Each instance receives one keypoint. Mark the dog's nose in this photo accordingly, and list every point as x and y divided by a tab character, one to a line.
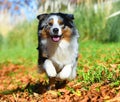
55	30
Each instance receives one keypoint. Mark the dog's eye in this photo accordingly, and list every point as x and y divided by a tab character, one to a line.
61	23
50	23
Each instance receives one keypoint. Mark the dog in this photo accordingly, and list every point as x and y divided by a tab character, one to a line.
57	45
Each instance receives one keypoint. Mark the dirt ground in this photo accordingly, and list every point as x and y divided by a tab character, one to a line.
18	85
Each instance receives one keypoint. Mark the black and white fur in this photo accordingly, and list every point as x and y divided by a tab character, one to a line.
57	56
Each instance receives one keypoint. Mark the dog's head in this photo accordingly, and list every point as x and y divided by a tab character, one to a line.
56	26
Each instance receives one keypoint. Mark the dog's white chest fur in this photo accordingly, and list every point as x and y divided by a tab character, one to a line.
61	62
62	53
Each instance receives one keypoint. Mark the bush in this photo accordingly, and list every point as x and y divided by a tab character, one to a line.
93	25
90	23
113	24
115	29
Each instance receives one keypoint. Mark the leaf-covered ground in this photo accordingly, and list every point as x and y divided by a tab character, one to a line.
98	79
25	87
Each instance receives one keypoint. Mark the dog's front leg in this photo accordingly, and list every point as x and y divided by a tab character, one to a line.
66	72
49	68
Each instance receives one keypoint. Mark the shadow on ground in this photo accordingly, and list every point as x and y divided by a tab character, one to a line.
38	87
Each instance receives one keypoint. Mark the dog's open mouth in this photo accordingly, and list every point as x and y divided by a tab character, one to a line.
56	38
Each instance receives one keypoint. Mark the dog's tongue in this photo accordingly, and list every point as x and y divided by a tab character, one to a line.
56	38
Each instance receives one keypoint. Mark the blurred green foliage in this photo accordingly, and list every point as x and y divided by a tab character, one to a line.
24	35
94	24
115	29
1	40
19	46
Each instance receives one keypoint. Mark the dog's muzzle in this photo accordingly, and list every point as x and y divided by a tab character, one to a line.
56	38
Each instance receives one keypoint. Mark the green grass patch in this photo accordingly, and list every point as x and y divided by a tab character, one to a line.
98	62
19	55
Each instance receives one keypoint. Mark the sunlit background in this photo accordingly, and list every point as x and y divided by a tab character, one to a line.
93	18
96	20
98	23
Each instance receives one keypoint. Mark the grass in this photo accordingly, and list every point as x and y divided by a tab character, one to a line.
93	24
99	62
18	55
20	45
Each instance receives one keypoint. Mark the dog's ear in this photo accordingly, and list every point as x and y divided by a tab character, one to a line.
67	16
70	16
42	16
68	19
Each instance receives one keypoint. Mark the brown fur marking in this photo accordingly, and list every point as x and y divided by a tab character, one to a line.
67	32
51	22
45	33
60	22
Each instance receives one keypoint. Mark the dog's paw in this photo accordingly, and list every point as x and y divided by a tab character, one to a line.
49	68
65	73
51	73
73	74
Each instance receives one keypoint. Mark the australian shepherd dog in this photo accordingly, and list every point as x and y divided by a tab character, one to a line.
57	45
